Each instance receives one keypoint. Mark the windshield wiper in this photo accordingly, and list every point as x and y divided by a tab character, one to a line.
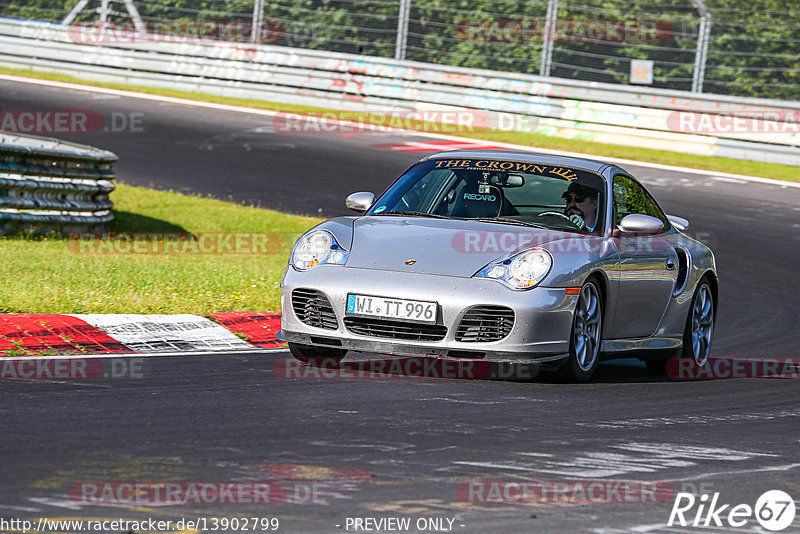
412	214
508	221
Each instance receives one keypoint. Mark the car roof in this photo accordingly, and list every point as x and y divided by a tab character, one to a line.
528	157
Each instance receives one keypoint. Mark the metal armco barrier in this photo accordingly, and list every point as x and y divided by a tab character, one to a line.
614	114
50	185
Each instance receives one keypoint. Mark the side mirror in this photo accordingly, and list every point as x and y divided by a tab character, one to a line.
360	202
637	223
679	222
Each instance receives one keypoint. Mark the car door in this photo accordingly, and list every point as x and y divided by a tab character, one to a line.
646	271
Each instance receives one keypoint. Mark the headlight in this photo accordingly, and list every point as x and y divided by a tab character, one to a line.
316	248
522	271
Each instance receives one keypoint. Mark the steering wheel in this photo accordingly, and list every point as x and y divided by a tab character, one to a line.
575	219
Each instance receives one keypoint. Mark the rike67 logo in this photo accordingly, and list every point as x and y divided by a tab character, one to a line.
774	510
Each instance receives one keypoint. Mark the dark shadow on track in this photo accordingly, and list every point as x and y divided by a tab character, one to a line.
608	372
406	368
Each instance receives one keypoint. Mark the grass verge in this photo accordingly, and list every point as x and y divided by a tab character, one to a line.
709	163
54	275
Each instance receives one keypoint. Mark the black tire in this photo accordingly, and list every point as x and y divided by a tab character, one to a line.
585	336
320	355
699	326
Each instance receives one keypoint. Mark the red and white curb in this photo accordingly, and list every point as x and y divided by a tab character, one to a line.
22	333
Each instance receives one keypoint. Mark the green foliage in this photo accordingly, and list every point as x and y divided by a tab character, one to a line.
754	48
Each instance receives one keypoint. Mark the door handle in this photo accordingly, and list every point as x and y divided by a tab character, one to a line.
670	264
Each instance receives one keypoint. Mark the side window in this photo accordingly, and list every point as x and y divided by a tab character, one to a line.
630	197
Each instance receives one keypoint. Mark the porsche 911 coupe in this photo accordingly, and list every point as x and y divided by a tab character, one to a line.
535	259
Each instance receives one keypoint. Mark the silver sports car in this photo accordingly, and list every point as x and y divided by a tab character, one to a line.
552	261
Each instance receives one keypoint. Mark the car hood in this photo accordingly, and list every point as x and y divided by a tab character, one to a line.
449	247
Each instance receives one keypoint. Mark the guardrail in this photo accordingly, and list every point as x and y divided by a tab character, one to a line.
51	185
607	113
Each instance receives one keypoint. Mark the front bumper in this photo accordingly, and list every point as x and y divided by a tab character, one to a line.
541	331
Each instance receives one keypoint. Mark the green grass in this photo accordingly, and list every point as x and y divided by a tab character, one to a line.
50	275
710	163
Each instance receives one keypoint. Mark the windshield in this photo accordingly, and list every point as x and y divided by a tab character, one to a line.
561	198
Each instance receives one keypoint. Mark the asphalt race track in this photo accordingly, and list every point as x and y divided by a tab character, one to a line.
406	447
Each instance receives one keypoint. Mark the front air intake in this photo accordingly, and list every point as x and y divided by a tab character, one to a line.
313	308
482	324
366	326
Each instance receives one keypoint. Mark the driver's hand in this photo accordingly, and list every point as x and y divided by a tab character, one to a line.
577	220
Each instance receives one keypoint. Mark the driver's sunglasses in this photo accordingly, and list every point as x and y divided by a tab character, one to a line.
577	199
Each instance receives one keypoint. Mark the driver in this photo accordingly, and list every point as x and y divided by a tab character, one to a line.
581	205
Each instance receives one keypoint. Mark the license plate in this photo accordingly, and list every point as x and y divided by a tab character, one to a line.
388	308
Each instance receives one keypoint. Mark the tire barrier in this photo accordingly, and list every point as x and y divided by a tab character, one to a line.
47	185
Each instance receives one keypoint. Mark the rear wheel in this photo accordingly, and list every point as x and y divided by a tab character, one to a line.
699	325
696	334
584	344
319	355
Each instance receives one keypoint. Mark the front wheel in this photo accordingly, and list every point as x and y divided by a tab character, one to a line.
584	344
306	353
